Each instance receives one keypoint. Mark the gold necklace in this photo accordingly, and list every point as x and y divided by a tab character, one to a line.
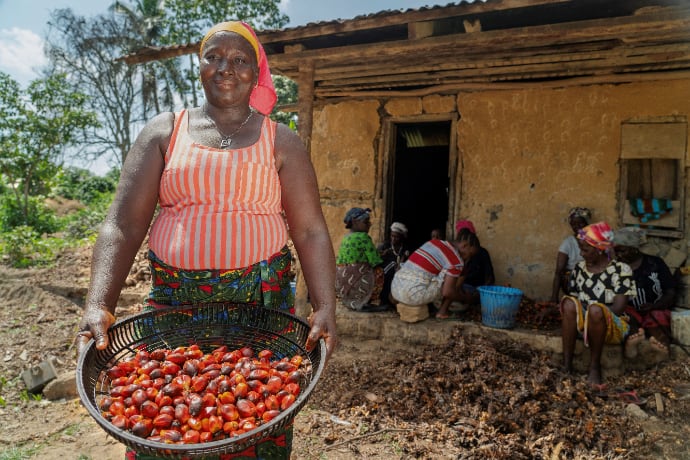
226	139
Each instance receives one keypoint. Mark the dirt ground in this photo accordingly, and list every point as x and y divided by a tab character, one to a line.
475	398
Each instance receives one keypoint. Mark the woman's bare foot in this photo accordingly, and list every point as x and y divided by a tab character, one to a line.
594	377
658	346
630	348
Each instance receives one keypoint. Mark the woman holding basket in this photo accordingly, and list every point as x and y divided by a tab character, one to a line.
222	174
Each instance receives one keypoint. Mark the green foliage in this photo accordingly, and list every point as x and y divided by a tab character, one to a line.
36	126
286	90
33	214
24	247
84	223
81	184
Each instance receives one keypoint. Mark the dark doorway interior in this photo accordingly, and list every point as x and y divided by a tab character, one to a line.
420	179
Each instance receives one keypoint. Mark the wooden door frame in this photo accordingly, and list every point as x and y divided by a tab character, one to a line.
386	165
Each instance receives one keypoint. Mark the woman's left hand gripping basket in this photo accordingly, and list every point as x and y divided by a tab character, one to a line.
200	381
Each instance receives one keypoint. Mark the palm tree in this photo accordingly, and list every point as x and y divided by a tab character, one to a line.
147	18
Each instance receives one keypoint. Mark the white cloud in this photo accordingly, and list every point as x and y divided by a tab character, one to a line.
21	52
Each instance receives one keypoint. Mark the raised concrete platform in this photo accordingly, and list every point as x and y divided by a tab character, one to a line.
388	328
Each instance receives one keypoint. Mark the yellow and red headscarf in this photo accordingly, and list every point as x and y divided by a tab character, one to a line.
263	97
598	235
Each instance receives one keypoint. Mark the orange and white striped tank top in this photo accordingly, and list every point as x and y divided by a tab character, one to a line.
220	209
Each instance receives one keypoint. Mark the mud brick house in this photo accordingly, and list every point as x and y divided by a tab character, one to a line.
506	112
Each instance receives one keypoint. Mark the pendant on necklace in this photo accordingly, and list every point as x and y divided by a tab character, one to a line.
225	142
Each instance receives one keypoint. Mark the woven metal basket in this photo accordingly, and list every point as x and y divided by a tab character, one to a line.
208	326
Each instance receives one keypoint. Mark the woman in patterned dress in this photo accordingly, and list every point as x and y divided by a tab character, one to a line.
600	288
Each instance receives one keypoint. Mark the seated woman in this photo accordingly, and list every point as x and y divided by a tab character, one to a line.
359	268
432	271
600	290
650	309
393	252
569	252
478	271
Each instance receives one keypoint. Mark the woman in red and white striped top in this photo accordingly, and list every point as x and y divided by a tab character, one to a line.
229	182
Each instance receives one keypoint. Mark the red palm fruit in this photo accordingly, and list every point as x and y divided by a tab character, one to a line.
190	437
149	366
104	403
208	400
254	397
151	393
212	387
294	377
246	408
232	356
120	421
247	425
270	415
229	412
260	408
297	360
170	436
287	401
116	372
191	367
182	380
182	413
274	385
205	436
230	427
212	374
292	388
241	390
156	374
199	383
272	402
254	384
206	412
247	352
215	424
193	353
170	368
172	389
120	381
162	421
176	358
149	409
142	428
131	410
158	382
285	366
170	410
139	396
221	349
117	408
265	354
226	398
179	400
194	423
194	402
158	355
258	374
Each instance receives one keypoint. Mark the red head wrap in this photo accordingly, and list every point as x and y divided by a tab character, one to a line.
263	97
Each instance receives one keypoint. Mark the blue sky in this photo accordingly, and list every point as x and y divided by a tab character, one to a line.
23	26
23	23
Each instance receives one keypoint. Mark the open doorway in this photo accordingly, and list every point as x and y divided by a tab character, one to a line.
419	181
